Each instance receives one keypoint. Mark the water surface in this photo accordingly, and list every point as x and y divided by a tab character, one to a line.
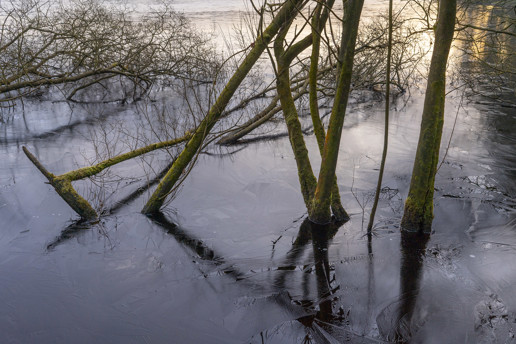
232	260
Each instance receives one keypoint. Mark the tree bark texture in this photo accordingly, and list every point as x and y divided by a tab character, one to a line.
304	168
320	209
65	189
418	213
336	205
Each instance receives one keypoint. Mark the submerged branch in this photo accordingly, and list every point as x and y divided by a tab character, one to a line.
86	172
65	189
63	183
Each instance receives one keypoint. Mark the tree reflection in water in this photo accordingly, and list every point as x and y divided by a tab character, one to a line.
397	322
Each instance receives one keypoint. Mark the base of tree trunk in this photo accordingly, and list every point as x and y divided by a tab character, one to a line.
65	189
417	217
319	212
339	212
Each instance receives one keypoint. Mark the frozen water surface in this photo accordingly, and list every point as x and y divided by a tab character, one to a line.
233	261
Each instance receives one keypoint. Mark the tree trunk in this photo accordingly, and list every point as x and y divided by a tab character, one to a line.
386	126
418	214
336	206
284	58
304	168
286	13
320	209
64	188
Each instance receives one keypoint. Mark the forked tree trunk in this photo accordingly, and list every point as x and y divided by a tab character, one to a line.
286	13
64	188
63	183
284	59
336	205
418	214
304	168
320	209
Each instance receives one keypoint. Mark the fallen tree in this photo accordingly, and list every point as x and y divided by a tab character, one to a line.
63	183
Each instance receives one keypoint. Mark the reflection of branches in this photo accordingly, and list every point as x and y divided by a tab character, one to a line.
320	236
72	231
184	238
77	229
202	251
323	322
365	197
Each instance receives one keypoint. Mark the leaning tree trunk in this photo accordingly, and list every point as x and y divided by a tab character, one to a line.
307	178
286	13
418	214
320	210
63	183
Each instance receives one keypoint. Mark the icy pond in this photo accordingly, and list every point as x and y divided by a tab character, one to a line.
232	259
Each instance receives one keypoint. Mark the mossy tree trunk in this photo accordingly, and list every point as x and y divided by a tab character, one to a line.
64	188
336	205
418	213
320	209
63	183
284	59
304	168
288	11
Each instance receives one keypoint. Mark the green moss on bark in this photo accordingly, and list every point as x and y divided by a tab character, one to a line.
317	22
306	176
418	213
65	189
320	210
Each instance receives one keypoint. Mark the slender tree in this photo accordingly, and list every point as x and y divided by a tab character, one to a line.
418	214
336	205
386	126
284	58
320	209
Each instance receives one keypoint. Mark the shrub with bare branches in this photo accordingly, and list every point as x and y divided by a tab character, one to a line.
84	45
